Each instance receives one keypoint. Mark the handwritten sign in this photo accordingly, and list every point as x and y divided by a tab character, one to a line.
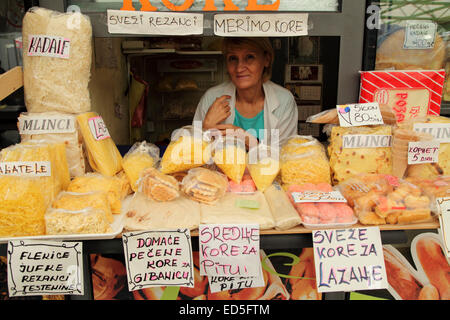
158	258
48	46
98	128
44	268
318	196
349	260
419	34
156	23
229	250
223	283
267	25
440	131
443	205
351	141
423	152
362	114
32	124
26	168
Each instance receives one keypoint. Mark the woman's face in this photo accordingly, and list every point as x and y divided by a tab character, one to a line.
245	66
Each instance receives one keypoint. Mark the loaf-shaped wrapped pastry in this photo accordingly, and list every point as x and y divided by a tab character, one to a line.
158	186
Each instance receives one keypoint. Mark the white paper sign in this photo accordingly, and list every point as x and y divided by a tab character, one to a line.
156	23
50	124
361	114
26	168
223	283
48	46
318	196
423	152
352	141
419	34
266	25
158	258
444	220
349	260
440	131
98	128
45	268
229	250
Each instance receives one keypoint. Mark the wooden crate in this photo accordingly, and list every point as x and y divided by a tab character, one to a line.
10	81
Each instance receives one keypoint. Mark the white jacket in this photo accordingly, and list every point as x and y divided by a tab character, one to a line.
280	108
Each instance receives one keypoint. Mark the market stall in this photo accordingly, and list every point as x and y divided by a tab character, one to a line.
376	165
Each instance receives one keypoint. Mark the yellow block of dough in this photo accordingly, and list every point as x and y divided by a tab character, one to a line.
346	163
134	164
264	172
232	160
103	155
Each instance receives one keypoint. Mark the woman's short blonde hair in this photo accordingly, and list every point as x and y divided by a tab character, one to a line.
260	43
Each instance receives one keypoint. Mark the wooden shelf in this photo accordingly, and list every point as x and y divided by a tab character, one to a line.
141	52
10	81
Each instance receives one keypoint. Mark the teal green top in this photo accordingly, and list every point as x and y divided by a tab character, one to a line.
256	124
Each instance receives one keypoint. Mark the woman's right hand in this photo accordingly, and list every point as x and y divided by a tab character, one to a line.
217	113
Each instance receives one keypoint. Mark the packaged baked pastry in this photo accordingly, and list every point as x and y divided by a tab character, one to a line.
142	155
283	212
74	201
189	148
91	182
66	222
381	198
320	213
158	186
57	59
263	165
56	127
355	150
230	156
103	155
204	185
303	160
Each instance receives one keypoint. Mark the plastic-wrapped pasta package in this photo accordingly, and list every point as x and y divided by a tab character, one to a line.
55	127
39	151
189	148
303	160
230	156
356	150
158	186
381	198
86	221
22	206
141	156
283	212
73	201
57	61
263	165
103	155
204	185
91	182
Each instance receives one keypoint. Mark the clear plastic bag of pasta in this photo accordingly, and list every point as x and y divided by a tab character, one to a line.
57	60
230	156
141	156
189	148
303	160
263	165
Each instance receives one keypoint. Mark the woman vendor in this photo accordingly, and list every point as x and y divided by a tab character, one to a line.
249	102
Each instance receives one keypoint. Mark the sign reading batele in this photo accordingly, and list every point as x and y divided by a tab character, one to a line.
229	5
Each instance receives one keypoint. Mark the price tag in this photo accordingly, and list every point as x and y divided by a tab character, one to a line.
318	196
158	258
419	34
423	152
444	220
229	250
362	114
98	128
38	268
349	260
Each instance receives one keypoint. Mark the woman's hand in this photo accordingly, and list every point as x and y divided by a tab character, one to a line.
231	130
217	113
